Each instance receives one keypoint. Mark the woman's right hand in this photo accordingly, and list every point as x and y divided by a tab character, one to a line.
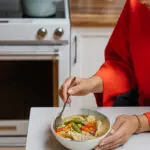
81	87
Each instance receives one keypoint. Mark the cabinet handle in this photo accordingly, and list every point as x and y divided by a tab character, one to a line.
75	42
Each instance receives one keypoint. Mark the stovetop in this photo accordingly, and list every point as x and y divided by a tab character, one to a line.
17	13
26	30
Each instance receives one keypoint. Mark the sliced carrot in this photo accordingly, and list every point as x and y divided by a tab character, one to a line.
91	128
91	124
58	133
84	128
69	125
59	129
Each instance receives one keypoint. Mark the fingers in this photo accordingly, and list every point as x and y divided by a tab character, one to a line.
97	148
117	124
115	136
76	90
62	97
116	139
114	147
63	91
111	147
79	88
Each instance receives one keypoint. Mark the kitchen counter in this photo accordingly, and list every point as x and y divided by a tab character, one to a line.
40	137
95	13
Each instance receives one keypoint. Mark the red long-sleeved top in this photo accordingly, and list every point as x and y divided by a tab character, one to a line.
127	56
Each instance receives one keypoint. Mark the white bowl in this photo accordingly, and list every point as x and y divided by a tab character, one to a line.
80	145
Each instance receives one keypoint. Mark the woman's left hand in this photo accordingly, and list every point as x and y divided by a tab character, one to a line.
122	129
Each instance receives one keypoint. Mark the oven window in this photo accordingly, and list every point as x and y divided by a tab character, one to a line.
26	84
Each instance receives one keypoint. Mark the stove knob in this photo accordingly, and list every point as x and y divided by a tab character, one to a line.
58	33
42	32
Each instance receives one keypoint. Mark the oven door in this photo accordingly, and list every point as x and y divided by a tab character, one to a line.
30	77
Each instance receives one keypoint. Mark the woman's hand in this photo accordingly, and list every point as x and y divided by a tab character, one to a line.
81	87
122	129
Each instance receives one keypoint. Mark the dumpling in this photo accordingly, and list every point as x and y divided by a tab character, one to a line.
91	118
87	136
79	137
99	127
75	136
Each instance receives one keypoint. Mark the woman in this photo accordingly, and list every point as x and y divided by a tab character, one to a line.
123	80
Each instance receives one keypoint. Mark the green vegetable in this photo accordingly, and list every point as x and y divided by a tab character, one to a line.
75	121
78	122
66	122
75	127
79	125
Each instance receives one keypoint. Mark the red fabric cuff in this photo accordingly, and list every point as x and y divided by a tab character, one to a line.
117	79
147	114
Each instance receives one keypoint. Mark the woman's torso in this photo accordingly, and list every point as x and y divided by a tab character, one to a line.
139	45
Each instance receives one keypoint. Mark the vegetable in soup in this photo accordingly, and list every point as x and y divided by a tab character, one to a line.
82	127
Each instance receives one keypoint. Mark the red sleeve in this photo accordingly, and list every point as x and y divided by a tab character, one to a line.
147	114
117	72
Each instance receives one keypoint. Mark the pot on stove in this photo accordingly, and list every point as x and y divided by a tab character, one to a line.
39	8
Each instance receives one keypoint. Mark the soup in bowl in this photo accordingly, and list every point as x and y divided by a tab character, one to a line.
81	129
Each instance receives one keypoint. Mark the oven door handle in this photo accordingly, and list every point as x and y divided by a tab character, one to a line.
30	55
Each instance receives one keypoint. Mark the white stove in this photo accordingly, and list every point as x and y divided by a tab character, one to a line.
23	29
34	61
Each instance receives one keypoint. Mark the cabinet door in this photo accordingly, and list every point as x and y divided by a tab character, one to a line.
90	47
92	57
92	54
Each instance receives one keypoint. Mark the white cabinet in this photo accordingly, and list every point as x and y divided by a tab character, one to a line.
87	53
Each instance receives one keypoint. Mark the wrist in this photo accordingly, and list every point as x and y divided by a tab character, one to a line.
143	124
97	84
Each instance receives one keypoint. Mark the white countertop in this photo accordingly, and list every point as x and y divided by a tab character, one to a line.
40	137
